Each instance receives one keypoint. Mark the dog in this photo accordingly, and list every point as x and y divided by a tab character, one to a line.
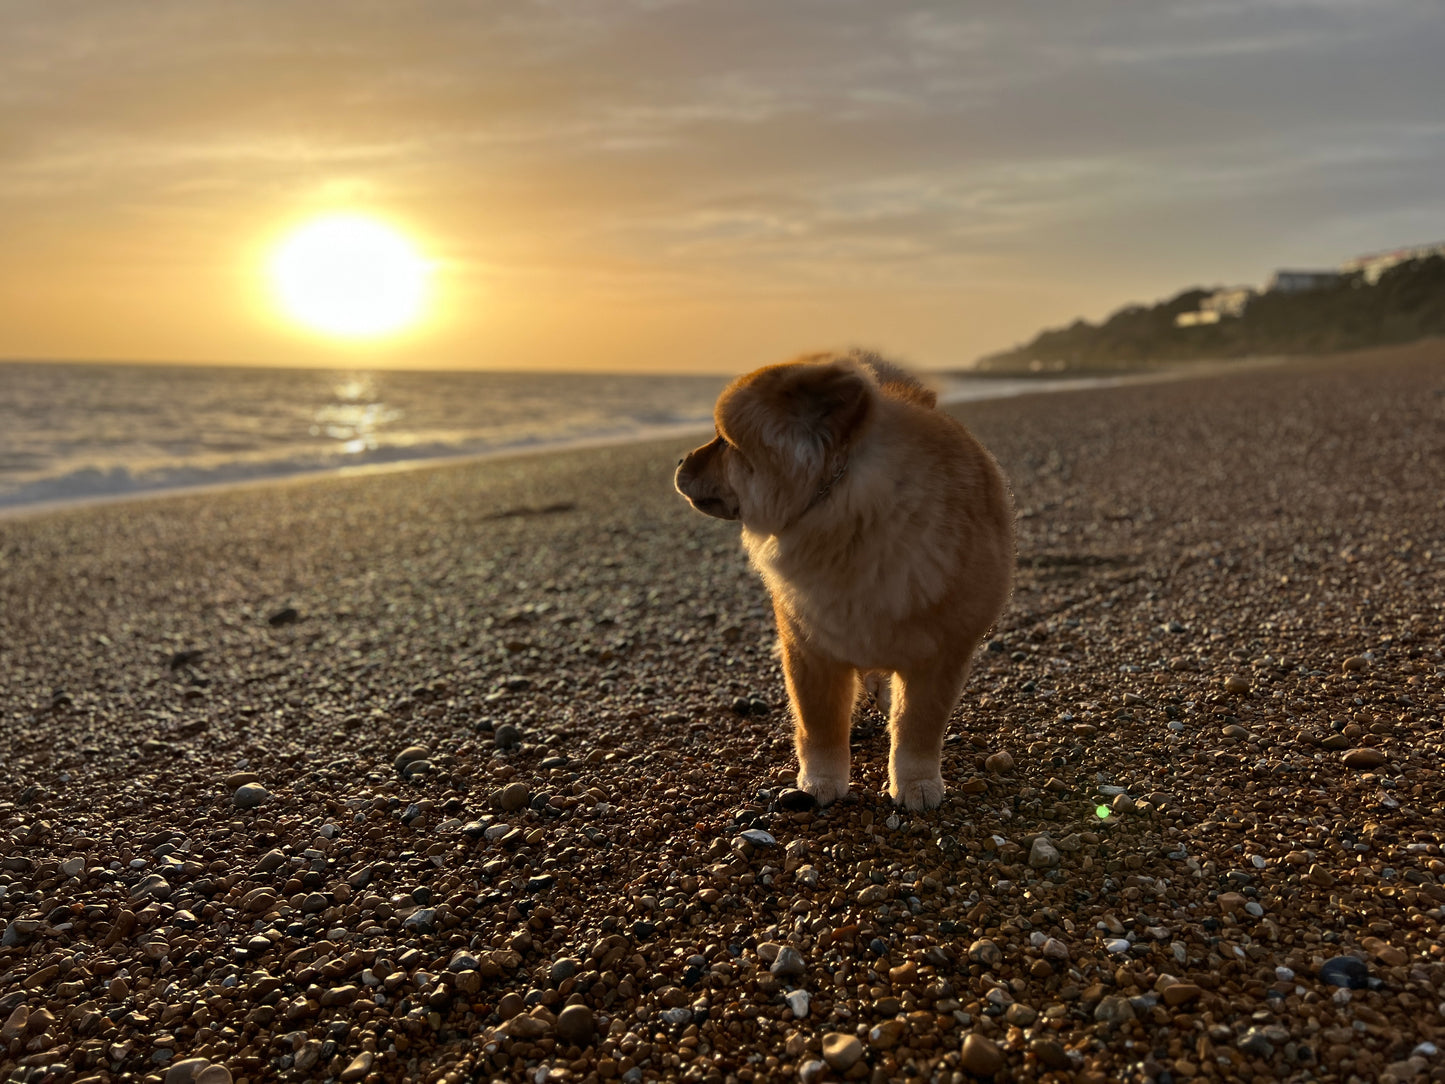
884	532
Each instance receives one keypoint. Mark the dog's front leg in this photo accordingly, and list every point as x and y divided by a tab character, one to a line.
922	702
822	692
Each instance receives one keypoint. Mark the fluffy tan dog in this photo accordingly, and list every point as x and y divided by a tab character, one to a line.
884	532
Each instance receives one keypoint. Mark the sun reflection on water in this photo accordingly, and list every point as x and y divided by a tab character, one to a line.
354	417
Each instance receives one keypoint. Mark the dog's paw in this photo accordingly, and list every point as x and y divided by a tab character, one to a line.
917	794
825	789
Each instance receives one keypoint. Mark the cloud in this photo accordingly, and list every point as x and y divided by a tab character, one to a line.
748	145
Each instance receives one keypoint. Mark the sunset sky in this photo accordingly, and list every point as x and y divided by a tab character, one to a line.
662	184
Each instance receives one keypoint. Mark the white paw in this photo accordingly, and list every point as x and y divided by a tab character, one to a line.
917	794
825	789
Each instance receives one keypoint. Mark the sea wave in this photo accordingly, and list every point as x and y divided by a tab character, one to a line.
96	483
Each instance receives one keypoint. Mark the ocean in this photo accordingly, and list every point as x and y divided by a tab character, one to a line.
74	432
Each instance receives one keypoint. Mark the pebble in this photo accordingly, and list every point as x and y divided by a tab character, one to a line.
1000	763
1051	1053
812	1070
1043	854
513	797
841	1051
1346	971
359	1067
758	838
1117	945
250	795
1114	1010
576	1025
798	1001
986	952
789	963
1236	684
423	918
1363	758
886	1036
73	867
507	737
980	1055
408	755
795	800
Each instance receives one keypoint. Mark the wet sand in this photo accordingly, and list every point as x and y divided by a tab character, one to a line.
1194	782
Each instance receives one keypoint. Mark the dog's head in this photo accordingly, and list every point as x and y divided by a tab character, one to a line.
783	435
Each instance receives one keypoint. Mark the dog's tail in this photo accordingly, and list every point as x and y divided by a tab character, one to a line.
894	381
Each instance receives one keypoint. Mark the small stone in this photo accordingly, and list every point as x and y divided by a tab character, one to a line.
1236	684
980	1056
1114	1010
236	780
811	1071
16	1023
1001	762
984	951
1346	971
1122	803
249	796
409	754
758	838
1256	1042
1231	903
576	1025
1020	1015
841	1051
214	1074
1055	949
1234	730
359	1067
798	1001
513	797
789	963
507	737
1051	1053
1354	664
73	866
1363	758
885	1036
1043	854
1117	945
271	860
1320	876
1181	993
422	919
563	969
795	800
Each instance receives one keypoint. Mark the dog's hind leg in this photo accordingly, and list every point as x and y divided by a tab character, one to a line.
922	701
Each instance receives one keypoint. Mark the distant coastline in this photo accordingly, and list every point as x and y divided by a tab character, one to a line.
1362	306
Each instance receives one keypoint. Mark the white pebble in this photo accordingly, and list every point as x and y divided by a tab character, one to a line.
798	1001
1117	944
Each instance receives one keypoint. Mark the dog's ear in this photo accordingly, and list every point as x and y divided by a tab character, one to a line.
830	400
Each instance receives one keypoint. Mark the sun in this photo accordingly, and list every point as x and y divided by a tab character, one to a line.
350	276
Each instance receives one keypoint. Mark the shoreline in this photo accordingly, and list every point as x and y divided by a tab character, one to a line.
1017	385
479	772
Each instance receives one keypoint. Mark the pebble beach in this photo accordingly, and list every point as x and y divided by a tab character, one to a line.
483	772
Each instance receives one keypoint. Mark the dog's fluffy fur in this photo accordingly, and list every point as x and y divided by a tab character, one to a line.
884	532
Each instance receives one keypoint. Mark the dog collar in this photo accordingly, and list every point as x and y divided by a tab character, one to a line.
827	488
